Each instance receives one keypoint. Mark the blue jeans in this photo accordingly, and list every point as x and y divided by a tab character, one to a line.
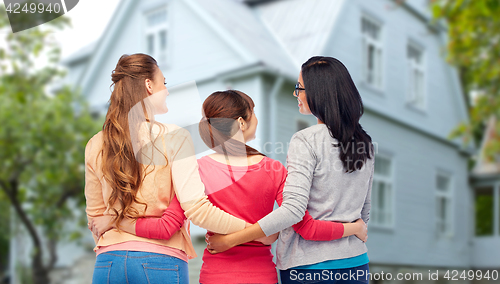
139	267
355	275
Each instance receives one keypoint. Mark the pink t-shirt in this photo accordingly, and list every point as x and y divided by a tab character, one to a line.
249	193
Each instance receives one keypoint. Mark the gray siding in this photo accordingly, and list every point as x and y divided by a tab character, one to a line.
444	106
417	159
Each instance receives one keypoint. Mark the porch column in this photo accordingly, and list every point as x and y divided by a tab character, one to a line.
273	113
496	208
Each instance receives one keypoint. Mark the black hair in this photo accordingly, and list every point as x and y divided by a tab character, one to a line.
334	99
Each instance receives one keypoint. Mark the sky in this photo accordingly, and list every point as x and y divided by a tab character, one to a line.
89	20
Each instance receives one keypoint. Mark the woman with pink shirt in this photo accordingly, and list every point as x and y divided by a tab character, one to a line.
136	167
330	173
244	183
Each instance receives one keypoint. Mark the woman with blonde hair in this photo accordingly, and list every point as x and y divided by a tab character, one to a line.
136	167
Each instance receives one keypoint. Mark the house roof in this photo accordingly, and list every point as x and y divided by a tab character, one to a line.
270	34
255	2
486	166
235	21
104	43
81	54
285	20
243	25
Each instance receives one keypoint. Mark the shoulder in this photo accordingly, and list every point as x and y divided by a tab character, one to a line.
159	128
314	131
204	162
255	159
274	168
173	131
96	137
307	132
171	135
371	162
93	149
303	138
316	138
162	133
94	142
268	161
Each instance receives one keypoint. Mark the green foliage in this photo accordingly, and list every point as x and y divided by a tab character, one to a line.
43	140
43	133
474	47
484	214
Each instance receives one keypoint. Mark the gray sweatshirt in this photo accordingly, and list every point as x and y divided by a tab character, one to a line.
317	182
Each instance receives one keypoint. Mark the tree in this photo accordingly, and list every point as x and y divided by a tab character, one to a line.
43	134
474	48
4	237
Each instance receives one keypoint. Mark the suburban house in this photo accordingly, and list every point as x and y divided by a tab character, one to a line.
423	215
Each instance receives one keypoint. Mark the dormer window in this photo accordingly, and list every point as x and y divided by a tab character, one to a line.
416	84
372	52
156	31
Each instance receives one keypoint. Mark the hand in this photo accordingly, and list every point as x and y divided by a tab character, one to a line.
362	232
217	243
100	225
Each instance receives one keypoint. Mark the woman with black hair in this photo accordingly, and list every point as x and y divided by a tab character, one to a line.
330	172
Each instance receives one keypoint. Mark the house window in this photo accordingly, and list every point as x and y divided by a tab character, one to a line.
484	211
443	205
382	212
372	52
416	84
302	124
156	32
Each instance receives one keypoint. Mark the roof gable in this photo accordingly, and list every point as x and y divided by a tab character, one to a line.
483	165
242	25
302	27
105	42
235	22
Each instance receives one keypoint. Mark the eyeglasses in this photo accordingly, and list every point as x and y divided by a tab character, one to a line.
298	89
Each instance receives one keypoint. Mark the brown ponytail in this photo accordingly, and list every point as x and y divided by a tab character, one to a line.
222	109
121	169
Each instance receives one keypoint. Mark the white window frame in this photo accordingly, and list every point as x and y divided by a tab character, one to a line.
367	41
159	53
417	96
449	228
389	197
